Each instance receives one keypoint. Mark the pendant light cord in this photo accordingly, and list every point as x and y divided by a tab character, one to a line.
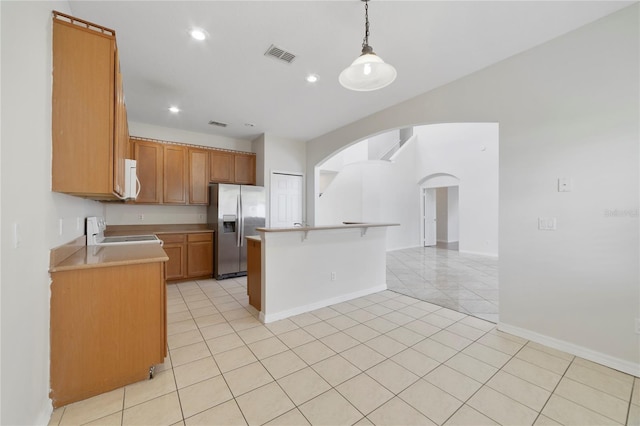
365	40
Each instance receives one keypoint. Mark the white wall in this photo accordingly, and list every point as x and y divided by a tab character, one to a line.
380	144
442	215
468	151
389	191
280	155
377	191
453	219
569	107
151	131
27	201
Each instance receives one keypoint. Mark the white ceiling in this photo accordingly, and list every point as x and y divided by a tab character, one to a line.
227	78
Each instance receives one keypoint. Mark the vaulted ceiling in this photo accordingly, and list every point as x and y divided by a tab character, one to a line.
227	78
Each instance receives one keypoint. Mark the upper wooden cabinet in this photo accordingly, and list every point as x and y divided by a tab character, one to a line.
232	167
149	165
170	173
88	114
221	164
175	174
245	169
198	176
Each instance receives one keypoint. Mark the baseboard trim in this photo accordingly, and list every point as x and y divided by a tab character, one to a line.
320	304
586	353
479	253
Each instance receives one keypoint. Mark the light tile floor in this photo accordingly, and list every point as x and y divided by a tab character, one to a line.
463	282
383	359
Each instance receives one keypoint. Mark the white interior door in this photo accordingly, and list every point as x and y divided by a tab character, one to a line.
430	228
286	200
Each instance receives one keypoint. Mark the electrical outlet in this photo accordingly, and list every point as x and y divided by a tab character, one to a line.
637	325
200	217
140	216
333	276
60	226
547	224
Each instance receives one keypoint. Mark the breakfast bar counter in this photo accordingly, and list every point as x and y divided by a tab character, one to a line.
310	267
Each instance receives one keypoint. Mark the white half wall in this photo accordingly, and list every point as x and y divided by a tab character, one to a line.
567	108
306	272
27	201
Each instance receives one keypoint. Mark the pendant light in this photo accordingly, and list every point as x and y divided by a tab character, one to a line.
368	72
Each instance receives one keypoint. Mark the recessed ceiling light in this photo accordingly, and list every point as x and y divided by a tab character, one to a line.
174	109
312	78
249	124
198	34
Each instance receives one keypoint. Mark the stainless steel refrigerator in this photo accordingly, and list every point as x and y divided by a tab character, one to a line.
235	211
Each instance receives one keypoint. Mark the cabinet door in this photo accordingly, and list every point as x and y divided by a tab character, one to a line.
174	267
221	167
198	176
200	255
254	261
83	110
175	174
148	156
245	169
121	135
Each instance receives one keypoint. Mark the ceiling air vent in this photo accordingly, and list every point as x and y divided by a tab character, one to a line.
217	123
280	54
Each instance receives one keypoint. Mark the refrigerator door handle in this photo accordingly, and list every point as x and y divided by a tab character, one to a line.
241	221
238	221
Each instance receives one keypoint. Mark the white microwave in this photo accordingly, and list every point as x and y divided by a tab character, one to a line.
131	182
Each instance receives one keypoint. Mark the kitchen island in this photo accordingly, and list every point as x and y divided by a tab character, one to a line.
307	268
108	317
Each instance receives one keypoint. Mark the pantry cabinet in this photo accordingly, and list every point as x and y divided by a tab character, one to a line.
89	130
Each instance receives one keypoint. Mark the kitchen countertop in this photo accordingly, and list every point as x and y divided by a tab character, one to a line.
254	237
345	225
113	255
119	230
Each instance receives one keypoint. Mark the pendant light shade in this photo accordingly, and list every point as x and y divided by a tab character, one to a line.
368	72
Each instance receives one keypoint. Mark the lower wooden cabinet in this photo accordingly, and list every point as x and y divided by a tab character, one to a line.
108	327
175	247
254	272
199	255
190	255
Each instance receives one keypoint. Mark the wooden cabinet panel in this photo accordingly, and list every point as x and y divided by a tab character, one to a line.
83	110
149	158
198	176
221	165
254	273
175	174
175	247
245	169
107	328
190	255
121	136
200	255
